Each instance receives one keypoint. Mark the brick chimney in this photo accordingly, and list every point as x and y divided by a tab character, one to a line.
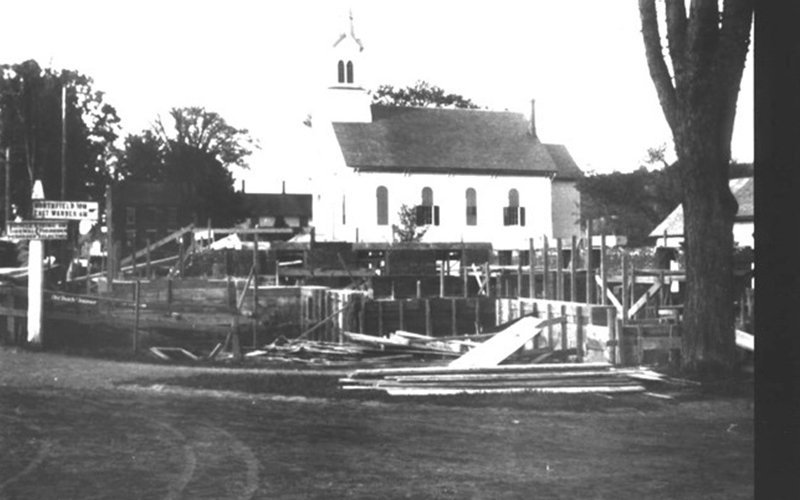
532	124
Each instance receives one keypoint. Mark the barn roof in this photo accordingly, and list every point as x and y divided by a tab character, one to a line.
451	140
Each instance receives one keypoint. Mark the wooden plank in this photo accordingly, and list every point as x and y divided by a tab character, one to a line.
517	368
643	299
444	391
573	267
504	343
609	294
163	241
745	340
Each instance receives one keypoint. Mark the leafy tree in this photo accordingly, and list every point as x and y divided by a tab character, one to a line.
421	94
698	92
629	204
199	148
408	231
31	127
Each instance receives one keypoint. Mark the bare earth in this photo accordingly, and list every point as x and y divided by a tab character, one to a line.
80	428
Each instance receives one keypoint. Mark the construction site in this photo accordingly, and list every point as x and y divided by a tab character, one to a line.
560	315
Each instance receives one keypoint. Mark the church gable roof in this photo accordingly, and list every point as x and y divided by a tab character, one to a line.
452	140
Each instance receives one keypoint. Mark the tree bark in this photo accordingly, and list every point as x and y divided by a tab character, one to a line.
707	50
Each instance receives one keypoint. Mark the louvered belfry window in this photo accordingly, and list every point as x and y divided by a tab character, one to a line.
513	214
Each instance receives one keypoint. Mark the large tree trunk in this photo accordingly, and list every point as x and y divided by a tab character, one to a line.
698	95
708	340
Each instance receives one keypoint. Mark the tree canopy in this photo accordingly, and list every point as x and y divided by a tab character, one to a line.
629	204
421	94
200	148
31	128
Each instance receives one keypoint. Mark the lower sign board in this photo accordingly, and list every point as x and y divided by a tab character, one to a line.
37	230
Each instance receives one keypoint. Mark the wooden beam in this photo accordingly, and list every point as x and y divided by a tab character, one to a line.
163	241
643	299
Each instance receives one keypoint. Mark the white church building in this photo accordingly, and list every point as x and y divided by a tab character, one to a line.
470	175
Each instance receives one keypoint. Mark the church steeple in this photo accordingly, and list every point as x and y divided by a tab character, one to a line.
348	101
347	49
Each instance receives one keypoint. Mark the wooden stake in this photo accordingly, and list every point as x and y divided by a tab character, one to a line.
573	267
603	270
531	270
625	294
546	266
428	326
559	271
136	294
589	278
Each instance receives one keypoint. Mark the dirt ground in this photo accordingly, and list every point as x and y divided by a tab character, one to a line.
83	428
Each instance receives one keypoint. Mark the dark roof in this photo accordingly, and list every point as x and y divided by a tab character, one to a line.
142	193
450	140
291	205
742	189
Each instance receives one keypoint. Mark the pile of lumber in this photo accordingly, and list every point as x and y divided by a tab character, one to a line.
479	371
447	380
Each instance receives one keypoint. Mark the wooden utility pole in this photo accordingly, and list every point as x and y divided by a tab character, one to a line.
8	184
111	260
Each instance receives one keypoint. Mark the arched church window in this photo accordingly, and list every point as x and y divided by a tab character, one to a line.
341	71
349	71
472	207
382	195
427	213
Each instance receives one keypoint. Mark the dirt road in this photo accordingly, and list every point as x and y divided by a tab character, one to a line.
74	428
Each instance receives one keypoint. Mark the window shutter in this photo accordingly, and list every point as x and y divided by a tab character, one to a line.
436	215
521	216
420	215
506	216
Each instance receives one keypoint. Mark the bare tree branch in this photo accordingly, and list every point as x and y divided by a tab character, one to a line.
676	37
655	62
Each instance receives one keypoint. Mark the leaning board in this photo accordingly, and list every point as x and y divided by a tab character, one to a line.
504	343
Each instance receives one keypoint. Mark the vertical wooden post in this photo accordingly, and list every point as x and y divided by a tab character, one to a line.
180	256
573	267
419	289
477	315
88	274
428	326
580	332
613	334
564	329
393	294
465	271
110	253
546	268
441	280
169	294
148	269
361	314
589	275
136	305
255	290
486	276
559	271
454	317
625	293
36	255
550	339
7	200
531	269
400	304
380	317
603	269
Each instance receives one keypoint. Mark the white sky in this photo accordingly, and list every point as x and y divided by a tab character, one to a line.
261	64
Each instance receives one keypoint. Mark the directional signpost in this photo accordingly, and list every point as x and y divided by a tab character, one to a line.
50	222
